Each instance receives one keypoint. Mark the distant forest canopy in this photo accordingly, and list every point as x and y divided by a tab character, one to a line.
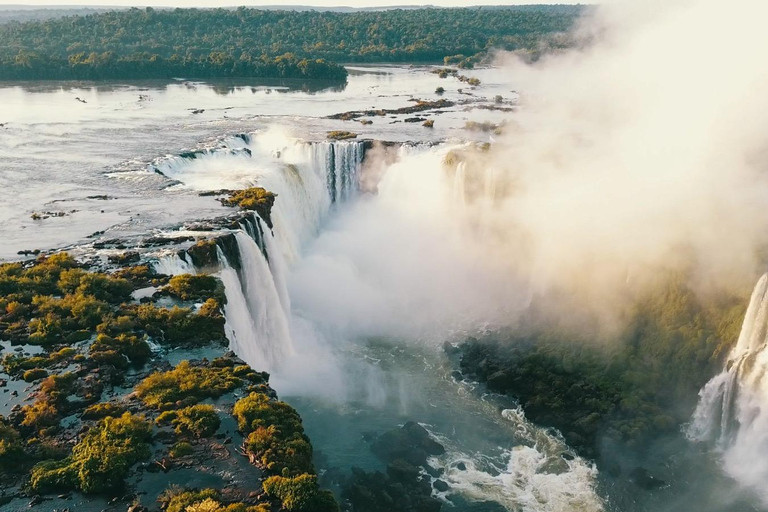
108	65
208	41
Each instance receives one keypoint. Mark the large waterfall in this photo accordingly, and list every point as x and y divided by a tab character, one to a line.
308	177
733	408
257	325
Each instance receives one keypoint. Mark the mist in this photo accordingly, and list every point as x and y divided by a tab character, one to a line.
642	153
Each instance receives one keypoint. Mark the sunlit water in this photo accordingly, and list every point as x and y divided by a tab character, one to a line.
57	153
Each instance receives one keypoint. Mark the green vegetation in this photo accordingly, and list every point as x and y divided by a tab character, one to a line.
11	447
255	198
120	350
181	449
300	494
186	384
193	287
149	43
276	441
109	65
181	325
642	383
177	499
100	461
341	135
34	374
102	410
195	420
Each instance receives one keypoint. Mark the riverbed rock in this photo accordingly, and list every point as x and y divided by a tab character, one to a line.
440	485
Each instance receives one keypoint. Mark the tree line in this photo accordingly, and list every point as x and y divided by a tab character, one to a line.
243	42
108	65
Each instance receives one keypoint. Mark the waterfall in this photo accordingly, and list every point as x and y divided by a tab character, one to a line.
173	265
257	322
733	406
342	161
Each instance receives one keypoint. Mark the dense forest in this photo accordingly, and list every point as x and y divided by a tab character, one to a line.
629	389
243	42
31	66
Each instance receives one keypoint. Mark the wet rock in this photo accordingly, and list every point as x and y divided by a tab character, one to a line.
461	466
440	486
401	470
411	443
36	500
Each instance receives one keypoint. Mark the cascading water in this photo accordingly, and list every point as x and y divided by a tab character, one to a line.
257	323
341	161
173	264
733	406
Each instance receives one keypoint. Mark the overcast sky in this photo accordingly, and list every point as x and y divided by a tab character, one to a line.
320	3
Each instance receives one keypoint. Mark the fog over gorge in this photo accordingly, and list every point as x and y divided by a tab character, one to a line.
643	152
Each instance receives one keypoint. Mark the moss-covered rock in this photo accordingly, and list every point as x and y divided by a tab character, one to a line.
257	199
100	461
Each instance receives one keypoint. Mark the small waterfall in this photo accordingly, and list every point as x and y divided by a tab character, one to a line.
174	264
733	406
257	322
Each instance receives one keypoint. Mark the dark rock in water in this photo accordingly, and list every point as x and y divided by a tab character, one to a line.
440	486
457	376
402	471
433	472
461	466
644	480
567	456
411	443
414	119
124	258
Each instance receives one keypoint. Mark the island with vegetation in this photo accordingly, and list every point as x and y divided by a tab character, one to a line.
254	43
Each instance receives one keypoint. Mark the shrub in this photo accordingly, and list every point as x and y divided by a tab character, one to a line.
341	135
251	198
102	410
100	461
135	349
197	420
186	383
40	414
11	450
14	364
181	449
276	436
429	123
34	374
300	494
440	90
190	287
181	325
177	499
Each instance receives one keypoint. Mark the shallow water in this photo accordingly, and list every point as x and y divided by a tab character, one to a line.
58	153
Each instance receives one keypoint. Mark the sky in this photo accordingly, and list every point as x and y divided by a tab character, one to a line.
318	3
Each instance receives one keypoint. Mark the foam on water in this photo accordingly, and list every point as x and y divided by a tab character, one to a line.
532	476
